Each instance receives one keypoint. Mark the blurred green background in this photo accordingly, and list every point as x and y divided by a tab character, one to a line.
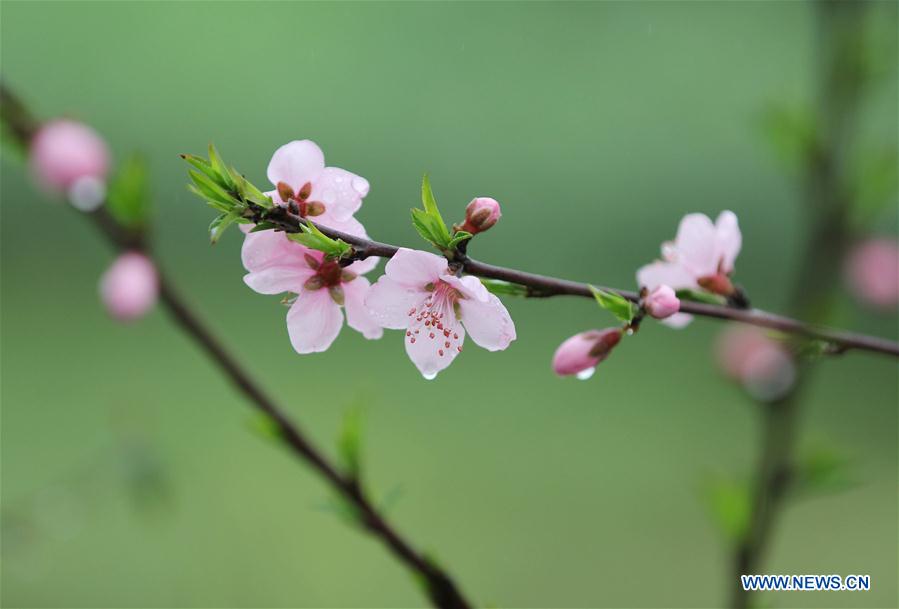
130	476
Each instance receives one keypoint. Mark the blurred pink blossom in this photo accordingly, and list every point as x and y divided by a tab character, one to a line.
762	365
276	265
579	355
129	288
872	272
64	151
327	195
662	302
420	295
701	257
481	214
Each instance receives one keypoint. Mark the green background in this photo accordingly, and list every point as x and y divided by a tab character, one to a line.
130	475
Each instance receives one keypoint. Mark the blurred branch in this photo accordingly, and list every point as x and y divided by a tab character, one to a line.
543	286
442	590
827	198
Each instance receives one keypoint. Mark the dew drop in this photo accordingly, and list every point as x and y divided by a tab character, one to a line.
429	376
583	375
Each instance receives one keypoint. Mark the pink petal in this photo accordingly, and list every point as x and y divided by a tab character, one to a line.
659	273
130	287
357	315
428	348
360	267
696	245
341	192
296	163
414	268
729	239
350	226
390	302
313	321
63	151
488	323
678	320
278	279
268	247
469	286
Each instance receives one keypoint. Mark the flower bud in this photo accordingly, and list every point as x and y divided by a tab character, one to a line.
580	354
129	287
64	152
662	302
762	365
872	272
481	214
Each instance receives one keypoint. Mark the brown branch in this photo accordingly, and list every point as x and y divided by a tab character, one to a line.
442	590
541	285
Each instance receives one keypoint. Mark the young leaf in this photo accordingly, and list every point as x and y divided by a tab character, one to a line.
210	189
729	504
224	176
313	238
128	199
220	223
504	288
429	222
349	443
697	296
614	303
458	238
821	470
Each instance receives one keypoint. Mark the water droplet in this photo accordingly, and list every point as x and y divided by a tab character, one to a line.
430	376
87	193
583	375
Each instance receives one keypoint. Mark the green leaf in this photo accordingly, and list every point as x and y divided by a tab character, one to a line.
201	164
349	443
822	470
224	176
263	226
459	237
312	237
730	505
210	190
264	426
697	296
504	288
614	303
428	222
129	200
791	131
220	223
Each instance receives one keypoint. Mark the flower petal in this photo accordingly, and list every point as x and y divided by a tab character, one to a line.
360	267
296	163
729	239
671	274
340	190
696	245
488	323
313	321
350	226
389	302
677	321
469	286
414	268
278	279
357	315
268	247
427	346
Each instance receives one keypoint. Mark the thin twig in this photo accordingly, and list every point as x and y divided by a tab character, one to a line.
441	589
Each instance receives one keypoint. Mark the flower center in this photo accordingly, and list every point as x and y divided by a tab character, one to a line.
305	207
435	320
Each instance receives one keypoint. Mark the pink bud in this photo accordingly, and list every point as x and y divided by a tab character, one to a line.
662	302
481	214
129	287
580	354
64	152
762	365
872	272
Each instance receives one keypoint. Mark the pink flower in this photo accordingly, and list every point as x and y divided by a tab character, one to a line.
872	272
129	287
419	294
762	365
70	157
276	265
328	195
662	302
481	214
701	257
580	354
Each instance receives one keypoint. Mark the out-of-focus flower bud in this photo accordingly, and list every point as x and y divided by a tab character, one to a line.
580	354
70	157
129	287
872	272
481	214
762	365
662	302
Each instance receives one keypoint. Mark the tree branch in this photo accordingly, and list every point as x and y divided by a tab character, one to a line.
543	286
441	589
